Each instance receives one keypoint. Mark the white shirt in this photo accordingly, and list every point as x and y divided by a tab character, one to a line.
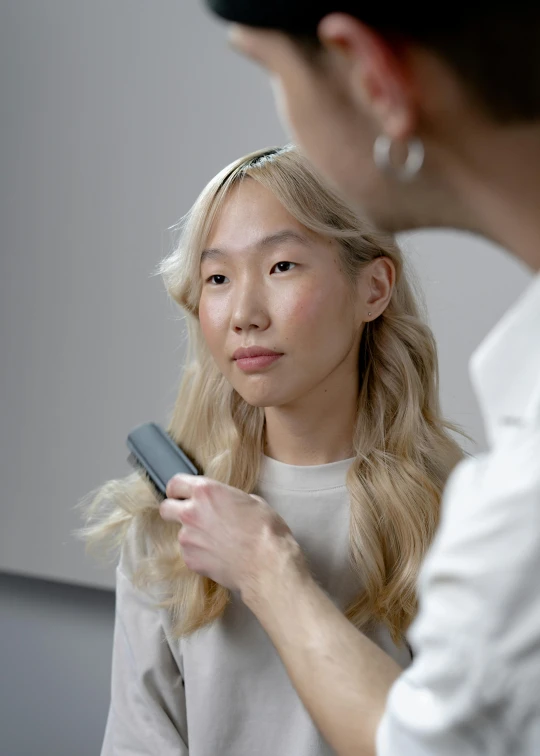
474	686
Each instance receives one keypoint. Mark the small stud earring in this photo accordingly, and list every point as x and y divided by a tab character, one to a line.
369	314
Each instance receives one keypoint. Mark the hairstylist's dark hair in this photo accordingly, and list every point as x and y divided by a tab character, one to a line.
494	50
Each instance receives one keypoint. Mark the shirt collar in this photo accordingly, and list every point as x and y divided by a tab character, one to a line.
505	369
304	477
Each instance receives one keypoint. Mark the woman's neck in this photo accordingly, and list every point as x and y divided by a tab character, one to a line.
316	429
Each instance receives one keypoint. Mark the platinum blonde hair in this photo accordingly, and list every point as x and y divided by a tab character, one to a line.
403	449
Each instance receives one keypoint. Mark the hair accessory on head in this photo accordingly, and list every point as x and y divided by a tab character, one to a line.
413	162
266	155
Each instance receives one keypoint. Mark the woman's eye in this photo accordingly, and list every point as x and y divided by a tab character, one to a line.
217	279
283	267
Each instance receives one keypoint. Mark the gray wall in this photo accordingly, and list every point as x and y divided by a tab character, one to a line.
55	655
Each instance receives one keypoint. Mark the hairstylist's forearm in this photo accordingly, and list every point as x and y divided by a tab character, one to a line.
342	677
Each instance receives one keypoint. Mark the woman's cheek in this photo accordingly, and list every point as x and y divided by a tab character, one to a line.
213	319
305	308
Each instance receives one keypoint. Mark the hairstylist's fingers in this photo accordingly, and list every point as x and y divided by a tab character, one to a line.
181	486
178	510
191	538
196	560
169	510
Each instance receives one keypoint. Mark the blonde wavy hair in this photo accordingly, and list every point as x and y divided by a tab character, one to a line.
403	449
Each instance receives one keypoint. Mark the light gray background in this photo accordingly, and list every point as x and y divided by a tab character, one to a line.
115	113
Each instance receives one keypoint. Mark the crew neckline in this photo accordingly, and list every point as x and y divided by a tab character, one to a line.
304	477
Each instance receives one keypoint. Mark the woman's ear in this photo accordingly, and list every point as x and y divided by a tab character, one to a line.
375	287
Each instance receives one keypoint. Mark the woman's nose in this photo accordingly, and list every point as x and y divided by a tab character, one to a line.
250	311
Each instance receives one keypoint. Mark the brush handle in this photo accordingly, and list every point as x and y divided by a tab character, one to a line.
155	452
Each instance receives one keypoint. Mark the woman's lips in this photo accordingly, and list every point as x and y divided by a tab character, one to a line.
252	359
252	364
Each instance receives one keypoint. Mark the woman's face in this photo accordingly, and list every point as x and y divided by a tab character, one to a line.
280	319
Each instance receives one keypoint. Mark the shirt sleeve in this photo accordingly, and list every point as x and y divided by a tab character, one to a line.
470	689
147	714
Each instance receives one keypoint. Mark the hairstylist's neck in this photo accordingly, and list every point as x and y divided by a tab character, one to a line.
316	429
497	180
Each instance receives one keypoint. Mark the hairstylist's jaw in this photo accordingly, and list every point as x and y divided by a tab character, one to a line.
338	101
280	318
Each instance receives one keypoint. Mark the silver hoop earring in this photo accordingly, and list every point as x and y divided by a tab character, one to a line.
413	162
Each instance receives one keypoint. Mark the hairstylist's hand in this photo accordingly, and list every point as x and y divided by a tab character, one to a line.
228	535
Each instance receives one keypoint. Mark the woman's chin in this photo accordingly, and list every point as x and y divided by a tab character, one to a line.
263	398
259	401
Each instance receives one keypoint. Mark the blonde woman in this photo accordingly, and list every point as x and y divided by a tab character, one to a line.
312	382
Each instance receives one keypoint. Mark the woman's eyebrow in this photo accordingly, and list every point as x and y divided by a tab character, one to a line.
287	235
272	240
212	254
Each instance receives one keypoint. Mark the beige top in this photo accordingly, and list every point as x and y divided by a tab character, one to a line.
224	691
